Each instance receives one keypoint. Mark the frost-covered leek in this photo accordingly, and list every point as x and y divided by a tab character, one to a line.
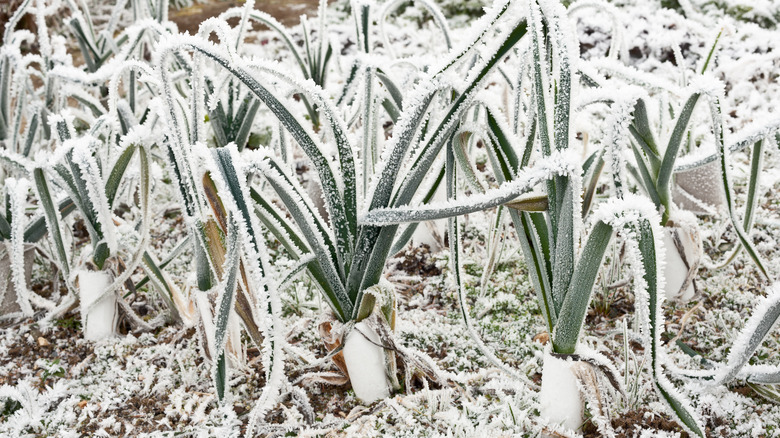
348	257
563	252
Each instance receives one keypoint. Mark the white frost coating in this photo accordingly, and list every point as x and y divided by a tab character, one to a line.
619	213
559	163
98	309
365	360
17	189
741	349
82	156
431	7
274	338
747	136
481	27
560	400
617	44
633	75
318	236
207	319
617	136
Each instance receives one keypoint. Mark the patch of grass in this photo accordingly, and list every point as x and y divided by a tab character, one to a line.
9	408
70	323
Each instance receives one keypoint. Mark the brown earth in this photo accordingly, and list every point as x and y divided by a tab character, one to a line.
288	12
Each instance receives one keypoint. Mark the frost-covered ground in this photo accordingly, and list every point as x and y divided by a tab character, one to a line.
157	384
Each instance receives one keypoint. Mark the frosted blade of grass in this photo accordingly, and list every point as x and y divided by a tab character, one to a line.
524	181
575	303
369	121
392	89
646	176
340	208
381	193
432	8
712	51
278	225
155	275
175	252
447	125
89	180
38	228
765	314
493	240
533	236
460	144
485	25
246	125
564	252
302	264
289	238
592	171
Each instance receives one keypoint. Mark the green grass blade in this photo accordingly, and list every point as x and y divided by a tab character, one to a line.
246	125
315	234
158	267
37	228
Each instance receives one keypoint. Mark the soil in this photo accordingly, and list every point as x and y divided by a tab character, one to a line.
288	12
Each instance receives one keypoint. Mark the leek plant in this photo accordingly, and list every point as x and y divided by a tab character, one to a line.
563	255
344	258
315	58
87	171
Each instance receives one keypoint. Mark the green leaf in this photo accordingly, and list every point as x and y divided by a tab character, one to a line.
115	177
643	134
428	153
592	171
52	222
575	304
647	249
724	167
646	178
533	238
226	303
664	181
